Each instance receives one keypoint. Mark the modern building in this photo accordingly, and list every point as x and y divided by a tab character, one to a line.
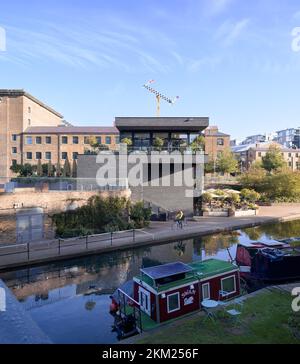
289	138
31	131
252	139
177	133
216	142
248	154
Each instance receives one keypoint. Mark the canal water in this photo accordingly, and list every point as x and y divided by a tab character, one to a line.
70	301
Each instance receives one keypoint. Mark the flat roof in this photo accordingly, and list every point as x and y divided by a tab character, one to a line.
16	93
166	270
195	124
71	130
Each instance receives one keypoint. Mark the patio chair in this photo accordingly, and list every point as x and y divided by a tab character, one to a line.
234	315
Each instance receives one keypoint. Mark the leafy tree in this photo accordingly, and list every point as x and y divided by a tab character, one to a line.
25	170
254	178
39	169
198	143
250	195
282	186
158	143
67	168
127	141
226	162
49	169
273	160
97	147
209	167
140	215
58	170
74	169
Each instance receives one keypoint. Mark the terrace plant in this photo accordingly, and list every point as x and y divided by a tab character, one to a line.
158	143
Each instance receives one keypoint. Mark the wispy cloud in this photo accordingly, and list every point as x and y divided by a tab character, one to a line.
218	6
229	32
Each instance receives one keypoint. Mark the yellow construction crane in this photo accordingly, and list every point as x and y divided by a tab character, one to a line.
159	96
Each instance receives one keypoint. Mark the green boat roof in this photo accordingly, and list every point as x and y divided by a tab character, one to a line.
201	270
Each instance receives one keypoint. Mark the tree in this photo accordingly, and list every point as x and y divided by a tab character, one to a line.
39	169
67	168
209	167
227	163
198	143
250	195
127	141
254	178
25	170
158	143
58	170
273	160
96	146
49	169
74	169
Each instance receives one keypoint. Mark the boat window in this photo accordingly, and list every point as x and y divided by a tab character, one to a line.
206	291
173	302
228	284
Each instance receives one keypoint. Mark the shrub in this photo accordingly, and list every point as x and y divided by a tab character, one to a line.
250	195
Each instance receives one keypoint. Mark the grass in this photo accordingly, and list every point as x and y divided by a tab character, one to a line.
267	318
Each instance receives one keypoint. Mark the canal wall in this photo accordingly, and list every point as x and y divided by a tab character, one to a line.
16	325
157	233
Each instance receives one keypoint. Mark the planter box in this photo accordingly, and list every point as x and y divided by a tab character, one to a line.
245	213
238	213
216	213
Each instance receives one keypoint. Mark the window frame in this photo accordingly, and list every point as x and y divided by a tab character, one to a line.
29	159
205	285
49	138
168	306
36	138
48	159
234	280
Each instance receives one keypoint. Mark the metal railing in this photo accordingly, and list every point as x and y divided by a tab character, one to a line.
39	250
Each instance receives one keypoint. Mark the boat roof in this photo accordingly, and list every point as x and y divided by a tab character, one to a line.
262	243
195	272
166	270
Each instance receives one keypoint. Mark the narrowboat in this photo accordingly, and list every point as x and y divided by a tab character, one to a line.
271	261
165	292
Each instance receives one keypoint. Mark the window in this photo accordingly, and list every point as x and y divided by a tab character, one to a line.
228	284
14	137
14	162
48	140
290	155
173	302
64	155
14	150
108	140
38	140
29	110
29	140
38	155
220	141
29	155
75	155
75	140
87	140
48	156
117	140
259	154
206	291
99	140
29	122
64	140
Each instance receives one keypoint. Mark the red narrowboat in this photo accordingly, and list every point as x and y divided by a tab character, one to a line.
168	291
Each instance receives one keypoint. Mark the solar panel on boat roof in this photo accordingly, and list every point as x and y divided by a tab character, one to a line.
166	270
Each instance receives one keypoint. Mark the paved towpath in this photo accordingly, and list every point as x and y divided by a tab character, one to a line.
157	233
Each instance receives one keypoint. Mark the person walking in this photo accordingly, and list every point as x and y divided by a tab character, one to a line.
179	219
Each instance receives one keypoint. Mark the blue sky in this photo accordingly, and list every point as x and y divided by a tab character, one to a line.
230	60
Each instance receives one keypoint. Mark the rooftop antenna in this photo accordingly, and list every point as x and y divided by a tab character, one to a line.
159	96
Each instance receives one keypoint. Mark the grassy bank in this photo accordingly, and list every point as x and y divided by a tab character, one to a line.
267	318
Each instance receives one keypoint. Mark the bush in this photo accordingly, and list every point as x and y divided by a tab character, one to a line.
140	215
207	198
250	195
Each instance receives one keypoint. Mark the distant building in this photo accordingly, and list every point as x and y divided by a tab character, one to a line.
216	142
258	138
289	138
31	131
248	154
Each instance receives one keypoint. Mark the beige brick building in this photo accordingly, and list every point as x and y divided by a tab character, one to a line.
215	142
31	130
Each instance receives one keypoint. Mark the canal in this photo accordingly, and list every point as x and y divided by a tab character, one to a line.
70	300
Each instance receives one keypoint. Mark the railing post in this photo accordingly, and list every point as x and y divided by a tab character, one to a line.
133	235
59	246
86	242
28	252
111	238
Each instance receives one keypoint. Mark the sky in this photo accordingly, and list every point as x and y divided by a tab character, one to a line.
230	60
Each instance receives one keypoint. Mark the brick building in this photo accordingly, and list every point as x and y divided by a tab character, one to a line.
215	142
30	130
